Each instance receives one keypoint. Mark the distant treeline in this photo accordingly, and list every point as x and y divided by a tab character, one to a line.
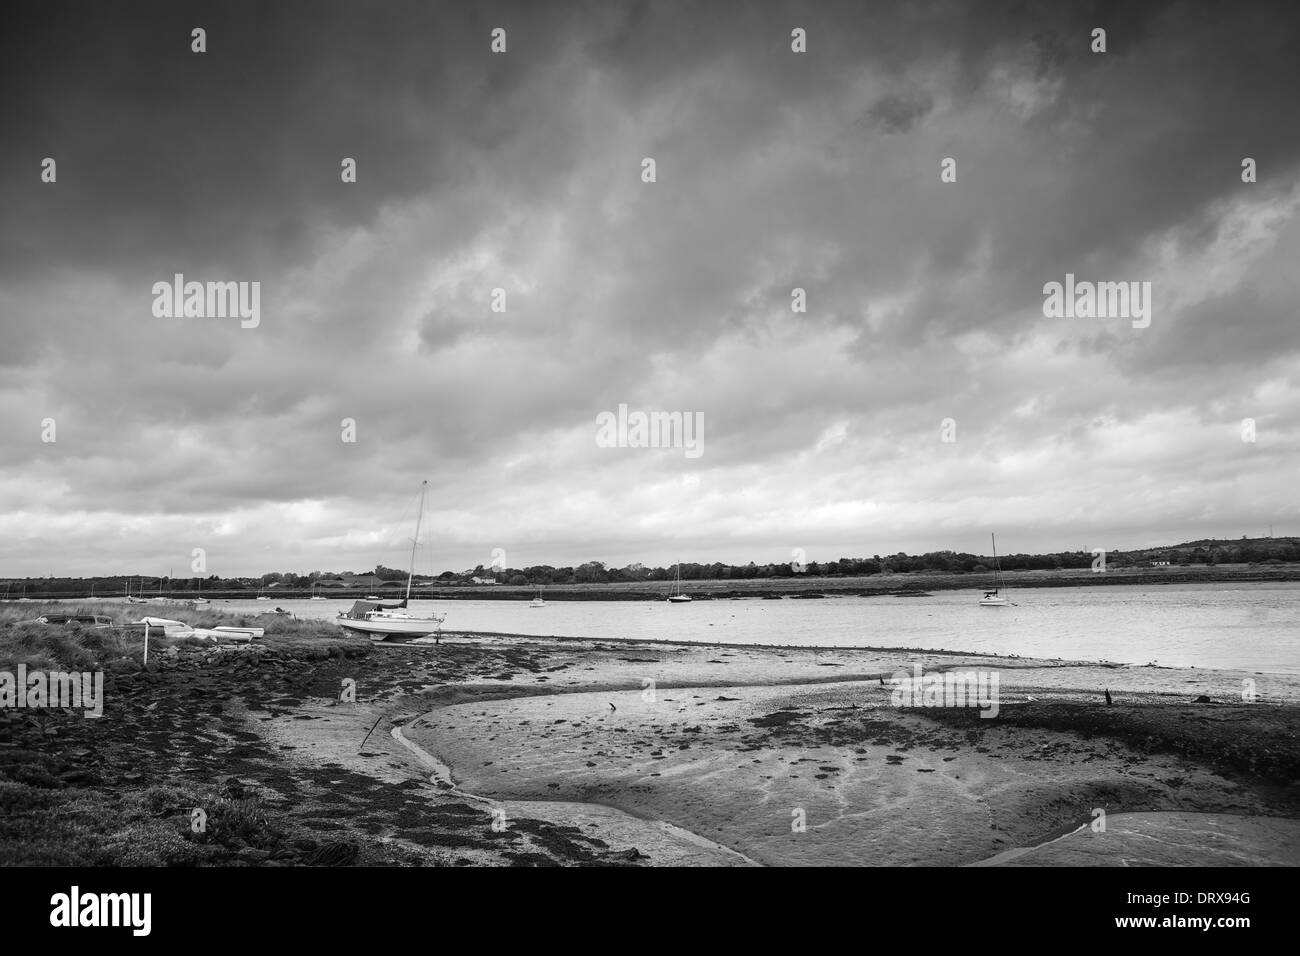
1208	552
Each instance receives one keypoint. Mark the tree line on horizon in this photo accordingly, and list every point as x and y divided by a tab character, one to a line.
1209	553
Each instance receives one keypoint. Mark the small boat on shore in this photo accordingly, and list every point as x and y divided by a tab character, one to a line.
169	627
380	620
238	633
90	620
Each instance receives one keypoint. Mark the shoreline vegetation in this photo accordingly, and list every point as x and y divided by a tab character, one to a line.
511	750
805	586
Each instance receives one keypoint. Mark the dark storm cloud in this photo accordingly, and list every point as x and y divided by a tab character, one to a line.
898	112
521	172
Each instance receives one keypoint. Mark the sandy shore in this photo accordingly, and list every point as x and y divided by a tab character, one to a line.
799	756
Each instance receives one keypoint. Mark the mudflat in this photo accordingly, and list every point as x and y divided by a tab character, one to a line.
314	749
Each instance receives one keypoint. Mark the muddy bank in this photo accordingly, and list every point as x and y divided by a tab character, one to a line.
614	753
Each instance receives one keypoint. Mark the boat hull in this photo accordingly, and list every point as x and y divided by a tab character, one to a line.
378	629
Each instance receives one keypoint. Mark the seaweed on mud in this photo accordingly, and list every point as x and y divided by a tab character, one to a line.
1257	739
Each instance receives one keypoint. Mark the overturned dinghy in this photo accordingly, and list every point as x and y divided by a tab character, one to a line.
169	627
232	633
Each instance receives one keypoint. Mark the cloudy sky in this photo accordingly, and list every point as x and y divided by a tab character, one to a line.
523	171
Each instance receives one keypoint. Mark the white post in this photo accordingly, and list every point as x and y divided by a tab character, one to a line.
146	643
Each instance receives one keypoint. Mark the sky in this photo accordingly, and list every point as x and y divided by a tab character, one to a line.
129	439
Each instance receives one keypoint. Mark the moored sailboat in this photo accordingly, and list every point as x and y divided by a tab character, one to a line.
677	597
380	620
994	597
134	599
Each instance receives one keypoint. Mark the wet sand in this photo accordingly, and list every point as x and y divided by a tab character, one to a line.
795	757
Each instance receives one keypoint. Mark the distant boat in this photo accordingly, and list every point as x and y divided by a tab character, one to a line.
160	599
198	598
261	596
315	596
994	598
380	621
677	597
537	601
134	599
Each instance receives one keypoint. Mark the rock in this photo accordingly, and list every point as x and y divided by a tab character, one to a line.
253	855
1202	700
79	776
632	854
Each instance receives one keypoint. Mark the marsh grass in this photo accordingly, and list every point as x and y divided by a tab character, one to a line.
41	825
81	647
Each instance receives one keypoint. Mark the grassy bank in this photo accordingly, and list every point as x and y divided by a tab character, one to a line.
179	770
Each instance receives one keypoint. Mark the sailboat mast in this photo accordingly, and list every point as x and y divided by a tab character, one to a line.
424	486
997	564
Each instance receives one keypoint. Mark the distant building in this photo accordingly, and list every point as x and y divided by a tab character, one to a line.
484	580
1159	564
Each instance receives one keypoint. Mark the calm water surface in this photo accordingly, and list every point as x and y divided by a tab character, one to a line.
1253	627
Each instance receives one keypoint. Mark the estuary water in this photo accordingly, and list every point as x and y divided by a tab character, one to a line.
1251	627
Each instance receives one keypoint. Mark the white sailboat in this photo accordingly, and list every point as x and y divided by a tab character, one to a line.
314	595
677	597
380	621
199	600
994	598
134	599
537	601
